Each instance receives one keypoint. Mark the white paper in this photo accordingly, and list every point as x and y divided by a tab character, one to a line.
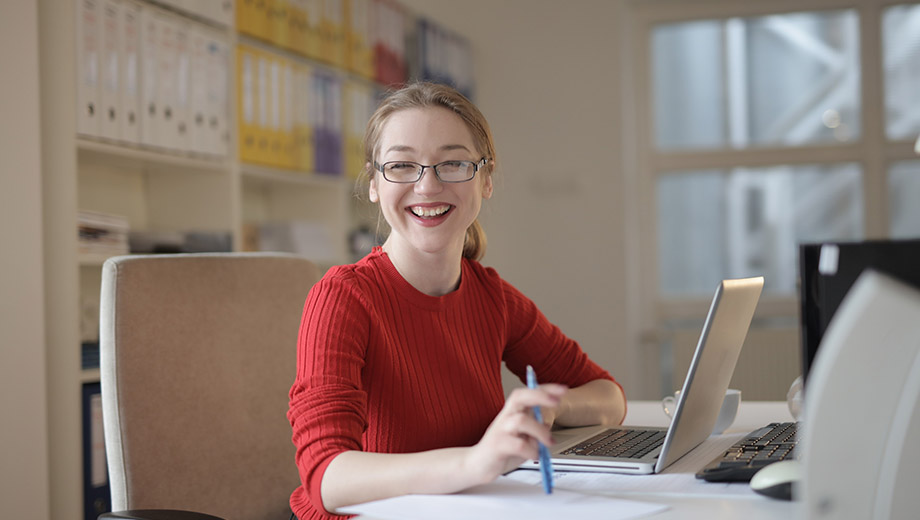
505	499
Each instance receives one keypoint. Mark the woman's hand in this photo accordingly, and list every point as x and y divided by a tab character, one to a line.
514	433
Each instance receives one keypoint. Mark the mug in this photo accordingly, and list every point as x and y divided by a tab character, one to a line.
729	409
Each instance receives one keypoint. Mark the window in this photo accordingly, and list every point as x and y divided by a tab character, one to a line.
759	140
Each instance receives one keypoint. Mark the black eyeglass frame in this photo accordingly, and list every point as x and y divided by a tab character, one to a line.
476	166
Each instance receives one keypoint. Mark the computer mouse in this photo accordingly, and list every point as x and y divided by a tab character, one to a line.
778	480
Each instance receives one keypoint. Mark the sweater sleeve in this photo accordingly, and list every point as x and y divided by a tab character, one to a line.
328	406
533	340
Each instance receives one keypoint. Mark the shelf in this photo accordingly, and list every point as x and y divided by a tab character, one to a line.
89	375
269	174
136	156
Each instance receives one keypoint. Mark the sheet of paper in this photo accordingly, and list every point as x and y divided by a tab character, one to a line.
505	499
678	479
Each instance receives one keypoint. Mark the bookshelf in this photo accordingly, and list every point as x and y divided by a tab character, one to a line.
162	190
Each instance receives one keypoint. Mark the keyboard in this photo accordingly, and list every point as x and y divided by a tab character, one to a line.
763	446
633	444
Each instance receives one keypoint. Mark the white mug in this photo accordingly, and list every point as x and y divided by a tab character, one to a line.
727	412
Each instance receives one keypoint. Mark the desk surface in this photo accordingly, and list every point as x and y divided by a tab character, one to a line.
677	487
740	503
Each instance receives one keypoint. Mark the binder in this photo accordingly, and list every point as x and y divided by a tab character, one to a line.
89	30
96	489
288	148
359	54
313	14
357	101
272	130
179	130
303	132
279	20
263	80
332	33
327	133
218	116
110	69
247	106
129	84
199	138
151	112
297	21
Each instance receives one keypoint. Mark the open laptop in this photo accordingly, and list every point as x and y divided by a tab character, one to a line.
600	448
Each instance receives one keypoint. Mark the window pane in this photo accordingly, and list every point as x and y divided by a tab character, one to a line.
748	222
901	48
790	79
904	194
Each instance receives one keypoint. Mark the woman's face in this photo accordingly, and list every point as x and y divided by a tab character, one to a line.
429	216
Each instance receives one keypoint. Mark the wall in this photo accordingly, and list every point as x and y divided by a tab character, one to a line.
547	80
24	459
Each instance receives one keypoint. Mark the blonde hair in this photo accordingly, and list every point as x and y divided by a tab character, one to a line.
426	95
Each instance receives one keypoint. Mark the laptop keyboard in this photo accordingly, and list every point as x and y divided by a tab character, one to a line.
774	442
633	444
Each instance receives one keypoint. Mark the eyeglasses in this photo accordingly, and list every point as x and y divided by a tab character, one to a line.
407	172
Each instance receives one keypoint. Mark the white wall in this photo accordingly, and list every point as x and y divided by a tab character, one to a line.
24	454
547	80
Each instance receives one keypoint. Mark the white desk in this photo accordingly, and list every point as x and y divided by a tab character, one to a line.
740	503
677	487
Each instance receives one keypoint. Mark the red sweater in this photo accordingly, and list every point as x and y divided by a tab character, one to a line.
382	367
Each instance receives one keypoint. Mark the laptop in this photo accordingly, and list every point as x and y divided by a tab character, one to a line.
645	450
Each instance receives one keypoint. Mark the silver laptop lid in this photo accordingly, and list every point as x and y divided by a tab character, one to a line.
711	368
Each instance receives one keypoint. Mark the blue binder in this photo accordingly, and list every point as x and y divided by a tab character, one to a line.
96	495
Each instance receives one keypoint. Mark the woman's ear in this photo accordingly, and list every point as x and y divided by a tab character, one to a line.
371	185
487	186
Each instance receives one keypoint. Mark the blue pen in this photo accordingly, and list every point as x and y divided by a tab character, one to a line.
546	467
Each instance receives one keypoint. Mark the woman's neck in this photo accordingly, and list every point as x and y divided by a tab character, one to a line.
432	273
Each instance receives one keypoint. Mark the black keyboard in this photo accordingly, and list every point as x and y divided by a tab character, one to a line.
633	444
772	443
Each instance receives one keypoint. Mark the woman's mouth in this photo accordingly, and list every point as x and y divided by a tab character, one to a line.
430	211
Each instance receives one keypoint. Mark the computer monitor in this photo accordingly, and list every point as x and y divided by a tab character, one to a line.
829	269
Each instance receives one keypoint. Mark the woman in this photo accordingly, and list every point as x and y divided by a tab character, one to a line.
398	386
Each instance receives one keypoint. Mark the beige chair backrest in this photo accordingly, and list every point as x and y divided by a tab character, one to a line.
198	353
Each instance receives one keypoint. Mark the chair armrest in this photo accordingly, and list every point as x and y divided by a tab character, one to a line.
156	514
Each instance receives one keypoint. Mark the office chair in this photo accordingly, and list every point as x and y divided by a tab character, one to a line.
198	352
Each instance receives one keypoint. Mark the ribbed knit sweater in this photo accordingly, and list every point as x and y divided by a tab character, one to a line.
383	367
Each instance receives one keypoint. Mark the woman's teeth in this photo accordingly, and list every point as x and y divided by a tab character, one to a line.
429	212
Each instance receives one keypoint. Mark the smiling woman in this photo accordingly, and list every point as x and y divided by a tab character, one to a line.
398	386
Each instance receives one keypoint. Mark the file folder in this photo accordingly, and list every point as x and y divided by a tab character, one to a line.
199	137
110	78
303	131
247	104
129	84
150	112
179	129
96	489
218	94
89	31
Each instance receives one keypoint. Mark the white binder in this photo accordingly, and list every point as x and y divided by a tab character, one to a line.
179	131
218	57
129	61
89	31
199	140
166	71
110	78
150	111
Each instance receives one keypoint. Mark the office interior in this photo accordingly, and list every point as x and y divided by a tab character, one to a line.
635	170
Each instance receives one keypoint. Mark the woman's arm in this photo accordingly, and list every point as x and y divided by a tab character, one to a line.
354	477
597	402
